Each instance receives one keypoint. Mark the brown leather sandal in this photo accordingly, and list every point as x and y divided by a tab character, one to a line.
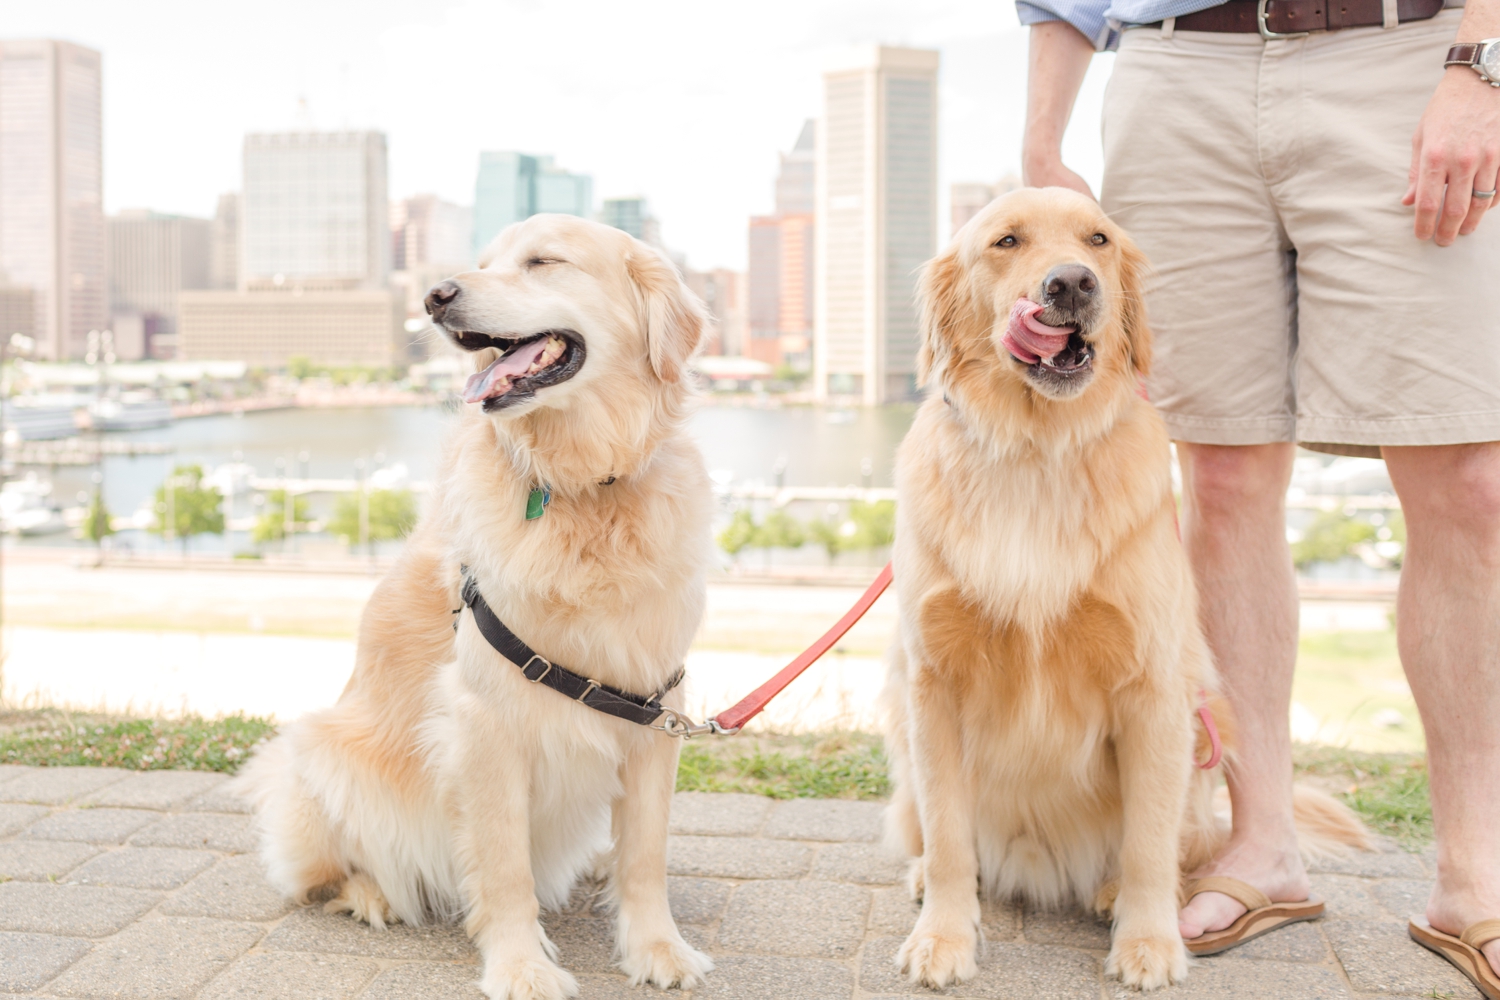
1462	951
1261	915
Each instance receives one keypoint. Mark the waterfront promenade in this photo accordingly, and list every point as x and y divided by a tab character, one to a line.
144	885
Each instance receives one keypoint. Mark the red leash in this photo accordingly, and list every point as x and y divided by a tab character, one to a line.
750	706
728	722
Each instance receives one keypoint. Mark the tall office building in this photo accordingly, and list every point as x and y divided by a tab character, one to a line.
224	250
314	208
51	190
426	230
152	259
965	200
431	239
513	186
876	220
781	263
723	294
314	259
633	215
796	182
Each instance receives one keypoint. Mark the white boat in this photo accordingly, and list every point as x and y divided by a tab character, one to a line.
131	412
38	420
26	508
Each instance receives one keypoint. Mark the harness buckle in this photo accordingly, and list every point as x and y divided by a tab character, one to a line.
593	686
544	673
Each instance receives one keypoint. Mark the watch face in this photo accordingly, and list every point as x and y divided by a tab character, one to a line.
1489	59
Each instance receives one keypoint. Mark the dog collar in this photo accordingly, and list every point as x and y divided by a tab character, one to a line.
540	496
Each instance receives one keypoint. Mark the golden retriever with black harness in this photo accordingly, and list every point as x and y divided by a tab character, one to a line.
495	740
1044	689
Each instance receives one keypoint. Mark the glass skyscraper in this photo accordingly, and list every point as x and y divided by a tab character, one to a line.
513	186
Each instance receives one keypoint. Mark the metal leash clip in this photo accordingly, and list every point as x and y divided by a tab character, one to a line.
681	726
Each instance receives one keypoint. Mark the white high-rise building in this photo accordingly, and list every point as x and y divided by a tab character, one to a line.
876	220
314	209
52	240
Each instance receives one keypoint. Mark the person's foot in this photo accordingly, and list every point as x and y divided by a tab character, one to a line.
1277	872
1453	912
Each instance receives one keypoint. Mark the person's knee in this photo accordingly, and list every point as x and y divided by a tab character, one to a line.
1231	481
1462	495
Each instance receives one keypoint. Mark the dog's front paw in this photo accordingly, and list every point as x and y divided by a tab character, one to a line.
360	896
666	963
527	979
1147	963
938	958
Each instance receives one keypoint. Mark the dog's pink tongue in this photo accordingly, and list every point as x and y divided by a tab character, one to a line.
495	380
1028	339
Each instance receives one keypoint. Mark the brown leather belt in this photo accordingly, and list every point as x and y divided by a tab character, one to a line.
1289	17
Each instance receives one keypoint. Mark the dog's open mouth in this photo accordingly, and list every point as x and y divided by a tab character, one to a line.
1050	345
526	364
1075	357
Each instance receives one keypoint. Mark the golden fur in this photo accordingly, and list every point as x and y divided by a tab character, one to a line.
1043	686
442	783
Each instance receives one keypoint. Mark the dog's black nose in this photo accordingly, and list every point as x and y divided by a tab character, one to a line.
439	297
1068	287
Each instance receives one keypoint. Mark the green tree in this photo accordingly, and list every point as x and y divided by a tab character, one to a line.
1331	536
739	535
868	526
780	531
391	514
97	524
271	525
190	508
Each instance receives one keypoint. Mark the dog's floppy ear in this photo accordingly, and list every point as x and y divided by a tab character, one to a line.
945	303
1133	267
673	317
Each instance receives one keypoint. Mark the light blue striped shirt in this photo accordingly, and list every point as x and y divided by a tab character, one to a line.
1101	20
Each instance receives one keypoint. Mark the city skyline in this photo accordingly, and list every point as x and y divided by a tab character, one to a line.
606	91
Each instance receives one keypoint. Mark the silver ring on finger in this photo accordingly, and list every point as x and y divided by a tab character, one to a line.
1485	195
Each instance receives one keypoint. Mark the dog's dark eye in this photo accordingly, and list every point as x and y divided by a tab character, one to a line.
1098	239
1006	241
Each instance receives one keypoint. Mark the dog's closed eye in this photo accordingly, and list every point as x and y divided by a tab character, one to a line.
540	261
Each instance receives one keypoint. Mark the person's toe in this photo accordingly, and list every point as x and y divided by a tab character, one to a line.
1208	911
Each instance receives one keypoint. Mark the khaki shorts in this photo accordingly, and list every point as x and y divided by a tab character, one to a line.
1289	299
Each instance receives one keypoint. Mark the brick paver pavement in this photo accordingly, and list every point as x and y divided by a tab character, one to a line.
118	884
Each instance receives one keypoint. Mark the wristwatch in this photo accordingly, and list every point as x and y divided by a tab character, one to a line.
1482	57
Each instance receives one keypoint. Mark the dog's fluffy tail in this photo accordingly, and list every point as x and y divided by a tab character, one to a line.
1325	826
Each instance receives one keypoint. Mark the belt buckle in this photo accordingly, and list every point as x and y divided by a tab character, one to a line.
1267	33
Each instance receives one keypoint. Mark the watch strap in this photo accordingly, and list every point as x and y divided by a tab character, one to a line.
1464	54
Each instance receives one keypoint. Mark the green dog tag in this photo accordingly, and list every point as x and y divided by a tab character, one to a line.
536	503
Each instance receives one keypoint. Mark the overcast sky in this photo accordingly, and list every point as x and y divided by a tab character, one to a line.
686	103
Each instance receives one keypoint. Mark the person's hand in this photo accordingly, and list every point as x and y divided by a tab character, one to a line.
1049	171
1455	152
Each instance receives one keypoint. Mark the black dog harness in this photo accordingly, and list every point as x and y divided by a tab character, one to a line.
537	669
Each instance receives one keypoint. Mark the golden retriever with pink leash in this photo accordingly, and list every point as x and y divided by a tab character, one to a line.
1049	689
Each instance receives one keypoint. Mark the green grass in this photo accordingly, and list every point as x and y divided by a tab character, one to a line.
1388	790
55	738
837	766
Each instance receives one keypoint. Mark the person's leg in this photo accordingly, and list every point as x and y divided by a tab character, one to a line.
1234	528
1448	631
